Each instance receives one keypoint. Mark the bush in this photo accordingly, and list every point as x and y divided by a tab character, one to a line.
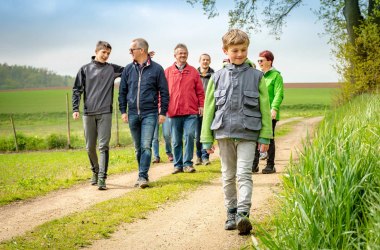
55	141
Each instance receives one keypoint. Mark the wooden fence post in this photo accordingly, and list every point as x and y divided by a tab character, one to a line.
14	133
68	121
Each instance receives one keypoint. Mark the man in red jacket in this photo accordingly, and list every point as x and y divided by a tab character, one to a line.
185	104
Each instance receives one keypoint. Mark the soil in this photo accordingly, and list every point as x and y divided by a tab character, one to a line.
195	222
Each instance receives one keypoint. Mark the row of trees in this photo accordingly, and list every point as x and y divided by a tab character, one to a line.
19	77
353	27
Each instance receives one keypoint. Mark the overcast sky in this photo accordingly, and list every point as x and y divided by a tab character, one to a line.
60	35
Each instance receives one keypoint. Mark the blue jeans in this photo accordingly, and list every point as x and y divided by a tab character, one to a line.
142	130
201	153
183	127
167	137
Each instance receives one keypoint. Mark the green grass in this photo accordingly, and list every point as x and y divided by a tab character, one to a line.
35	101
305	96
29	175
101	220
331	197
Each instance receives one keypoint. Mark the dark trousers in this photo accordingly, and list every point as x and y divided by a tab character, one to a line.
271	150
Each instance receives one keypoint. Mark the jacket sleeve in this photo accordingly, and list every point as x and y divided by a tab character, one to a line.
78	89
278	92
207	135
163	92
118	70
266	124
123	92
200	92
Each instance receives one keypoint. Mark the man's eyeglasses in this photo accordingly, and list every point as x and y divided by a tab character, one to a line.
260	61
131	50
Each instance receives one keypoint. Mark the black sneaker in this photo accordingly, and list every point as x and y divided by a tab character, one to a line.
243	223
102	184
255	168
230	222
94	179
269	169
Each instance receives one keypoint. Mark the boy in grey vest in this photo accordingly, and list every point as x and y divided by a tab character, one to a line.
237	114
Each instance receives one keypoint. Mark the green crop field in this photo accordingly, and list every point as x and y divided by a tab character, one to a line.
306	96
38	114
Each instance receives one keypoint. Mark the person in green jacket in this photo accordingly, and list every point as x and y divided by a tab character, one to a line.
273	81
237	115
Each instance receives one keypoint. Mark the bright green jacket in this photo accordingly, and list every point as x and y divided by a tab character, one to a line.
207	136
275	86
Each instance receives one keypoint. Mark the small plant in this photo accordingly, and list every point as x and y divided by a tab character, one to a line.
56	141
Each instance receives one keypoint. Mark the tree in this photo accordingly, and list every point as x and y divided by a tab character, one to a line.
347	22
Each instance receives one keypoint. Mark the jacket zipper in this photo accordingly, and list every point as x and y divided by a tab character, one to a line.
138	90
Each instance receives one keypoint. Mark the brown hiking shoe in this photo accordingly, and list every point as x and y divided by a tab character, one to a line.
177	170
189	169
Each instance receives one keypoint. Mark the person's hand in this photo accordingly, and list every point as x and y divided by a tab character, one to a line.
200	111
263	148
161	119
76	115
274	114
210	150
151	53
124	117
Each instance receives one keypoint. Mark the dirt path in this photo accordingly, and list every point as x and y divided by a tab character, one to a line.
192	223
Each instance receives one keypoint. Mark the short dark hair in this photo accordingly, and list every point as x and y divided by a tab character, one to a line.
102	45
268	55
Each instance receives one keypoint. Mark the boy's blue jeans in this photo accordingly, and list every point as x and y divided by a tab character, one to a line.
237	158
183	127
167	138
142	130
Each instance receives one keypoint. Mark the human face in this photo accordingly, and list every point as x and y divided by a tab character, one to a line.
264	64
135	51
237	53
205	61
181	55
102	55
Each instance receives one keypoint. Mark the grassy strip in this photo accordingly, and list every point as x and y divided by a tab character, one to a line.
33	174
331	196
101	220
285	129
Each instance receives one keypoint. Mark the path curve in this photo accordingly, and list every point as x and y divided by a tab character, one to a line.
20	217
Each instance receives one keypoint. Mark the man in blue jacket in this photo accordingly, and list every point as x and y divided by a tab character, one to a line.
142	82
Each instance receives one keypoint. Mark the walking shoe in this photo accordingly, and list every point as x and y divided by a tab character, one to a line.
156	160
206	162
143	183
198	161
243	223
137	184
102	184
170	157
189	169
255	169
269	169
94	179
177	170
231	221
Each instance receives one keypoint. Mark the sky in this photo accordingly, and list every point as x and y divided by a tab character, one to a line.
60	35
